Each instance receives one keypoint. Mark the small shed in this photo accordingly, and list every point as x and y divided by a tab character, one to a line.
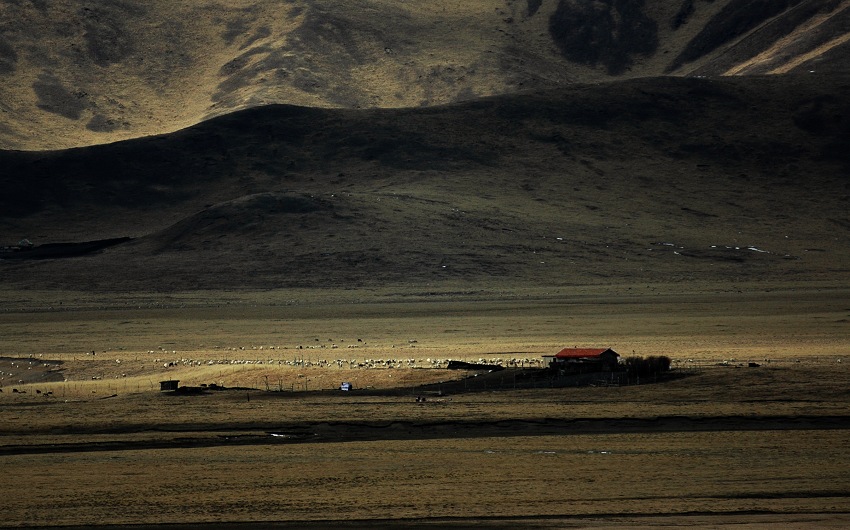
585	359
169	385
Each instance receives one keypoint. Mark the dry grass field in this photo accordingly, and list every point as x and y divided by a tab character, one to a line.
726	444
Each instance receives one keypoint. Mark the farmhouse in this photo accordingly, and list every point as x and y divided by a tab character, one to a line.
583	360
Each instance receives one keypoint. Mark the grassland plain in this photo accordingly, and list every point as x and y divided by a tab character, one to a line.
403	185
728	444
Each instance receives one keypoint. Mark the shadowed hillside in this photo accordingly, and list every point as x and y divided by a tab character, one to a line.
83	73
647	180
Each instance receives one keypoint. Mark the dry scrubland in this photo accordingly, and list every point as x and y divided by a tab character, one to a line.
755	446
280	341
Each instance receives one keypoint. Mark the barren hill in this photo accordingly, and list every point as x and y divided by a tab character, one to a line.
670	179
83	73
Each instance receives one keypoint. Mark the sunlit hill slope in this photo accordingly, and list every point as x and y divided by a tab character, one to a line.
81	73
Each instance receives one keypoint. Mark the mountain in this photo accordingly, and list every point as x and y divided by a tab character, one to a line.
84	73
669	179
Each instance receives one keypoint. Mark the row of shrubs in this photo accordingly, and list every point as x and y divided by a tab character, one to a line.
647	366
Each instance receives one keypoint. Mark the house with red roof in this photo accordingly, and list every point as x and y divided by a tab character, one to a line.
582	360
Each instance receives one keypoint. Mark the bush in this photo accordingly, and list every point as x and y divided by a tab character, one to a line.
647	366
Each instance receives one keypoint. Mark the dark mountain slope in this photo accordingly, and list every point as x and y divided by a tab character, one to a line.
717	180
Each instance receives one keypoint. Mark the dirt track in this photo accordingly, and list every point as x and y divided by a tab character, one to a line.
742	521
346	431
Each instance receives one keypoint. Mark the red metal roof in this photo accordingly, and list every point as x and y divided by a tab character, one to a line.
582	353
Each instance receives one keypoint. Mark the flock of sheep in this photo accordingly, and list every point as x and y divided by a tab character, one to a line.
19	366
352	363
299	360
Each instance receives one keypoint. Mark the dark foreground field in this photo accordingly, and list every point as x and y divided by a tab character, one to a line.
430	467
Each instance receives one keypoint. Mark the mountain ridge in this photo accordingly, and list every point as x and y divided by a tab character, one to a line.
104	71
